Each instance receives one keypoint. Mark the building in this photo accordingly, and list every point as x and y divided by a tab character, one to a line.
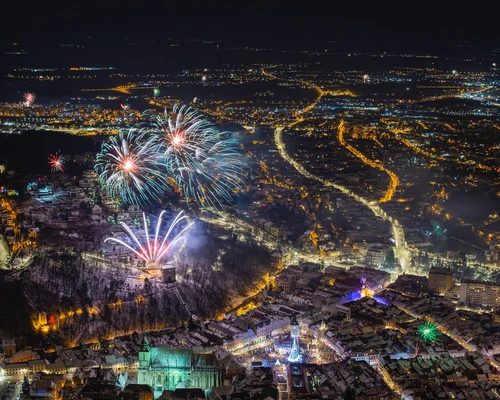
298	384
11	369
9	346
285	282
371	278
376	255
76	193
165	368
35	366
277	259
479	293
135	212
440	280
39	191
100	391
240	340
39	319
136	392
183	394
89	180
268	327
22	356
232	367
168	273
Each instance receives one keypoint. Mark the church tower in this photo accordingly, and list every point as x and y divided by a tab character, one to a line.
295	355
144	361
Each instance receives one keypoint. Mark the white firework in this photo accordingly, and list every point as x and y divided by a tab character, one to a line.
208	167
127	168
155	249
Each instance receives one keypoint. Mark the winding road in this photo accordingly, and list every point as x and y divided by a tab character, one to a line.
402	253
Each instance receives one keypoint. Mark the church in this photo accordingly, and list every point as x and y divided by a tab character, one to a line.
166	368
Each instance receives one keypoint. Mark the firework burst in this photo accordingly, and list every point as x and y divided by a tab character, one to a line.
56	162
154	249
127	168
29	99
207	165
429	332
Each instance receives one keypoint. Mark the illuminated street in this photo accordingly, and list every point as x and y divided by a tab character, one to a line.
400	247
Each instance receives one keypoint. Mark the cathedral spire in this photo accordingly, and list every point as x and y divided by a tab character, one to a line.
144	343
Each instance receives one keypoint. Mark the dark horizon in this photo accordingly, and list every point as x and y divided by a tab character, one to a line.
372	26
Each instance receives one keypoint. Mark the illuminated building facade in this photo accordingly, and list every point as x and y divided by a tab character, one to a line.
440	280
479	293
165	368
376	255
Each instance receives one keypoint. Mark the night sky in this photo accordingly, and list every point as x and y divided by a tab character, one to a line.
405	25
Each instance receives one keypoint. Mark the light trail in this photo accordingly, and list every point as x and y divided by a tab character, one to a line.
448	126
459	94
125	89
388	380
320	92
394	180
375	139
401	251
398	231
121	89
